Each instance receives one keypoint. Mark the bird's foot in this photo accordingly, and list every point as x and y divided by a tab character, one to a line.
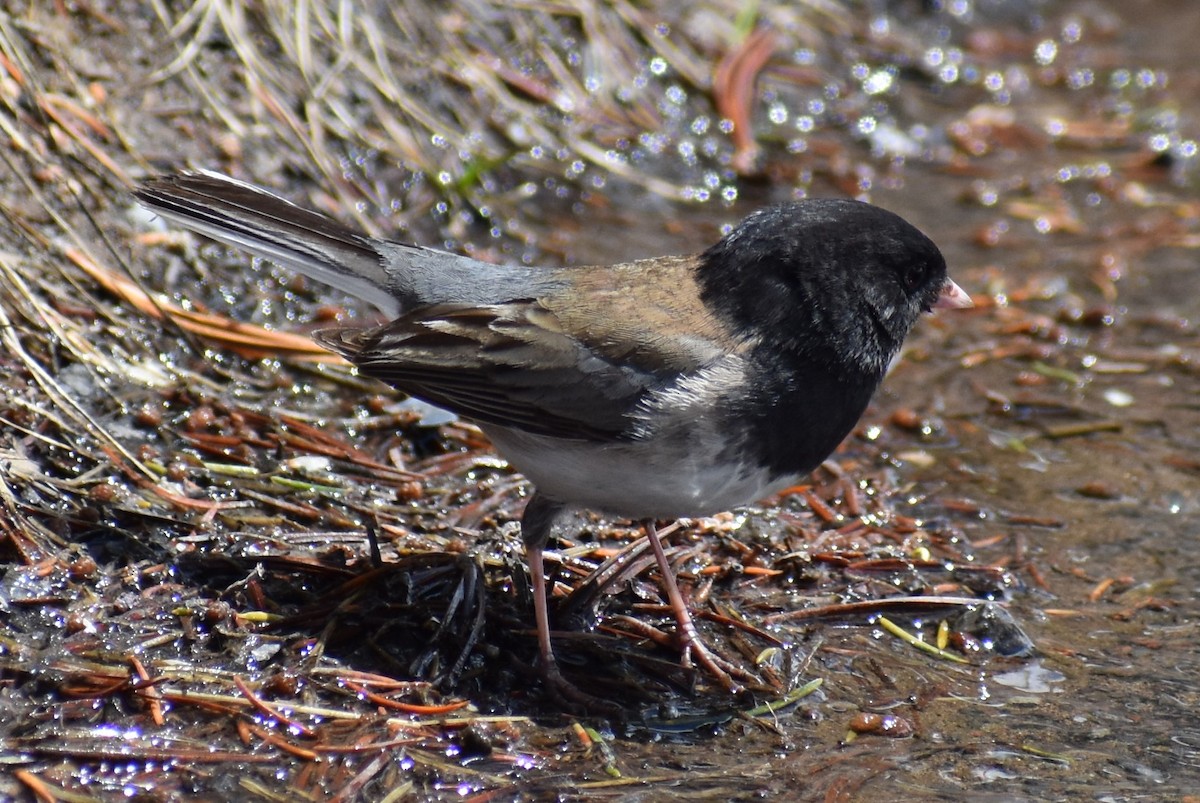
690	644
693	652
574	697
693	648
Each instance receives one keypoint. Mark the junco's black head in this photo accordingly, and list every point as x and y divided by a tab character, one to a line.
837	281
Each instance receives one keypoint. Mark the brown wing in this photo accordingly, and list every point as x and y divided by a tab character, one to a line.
507	364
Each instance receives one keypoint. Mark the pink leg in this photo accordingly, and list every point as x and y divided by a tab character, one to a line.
535	531
689	640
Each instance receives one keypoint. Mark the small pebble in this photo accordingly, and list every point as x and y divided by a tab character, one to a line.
1098	489
77	624
918	457
1099	316
149	415
281	684
882	725
82	568
201	418
409	491
103	492
1118	398
907	418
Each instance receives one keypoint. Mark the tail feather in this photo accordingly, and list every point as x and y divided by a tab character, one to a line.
244	216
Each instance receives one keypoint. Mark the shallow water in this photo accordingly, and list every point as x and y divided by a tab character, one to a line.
1077	449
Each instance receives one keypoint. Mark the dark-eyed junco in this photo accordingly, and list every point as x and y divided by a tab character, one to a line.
666	387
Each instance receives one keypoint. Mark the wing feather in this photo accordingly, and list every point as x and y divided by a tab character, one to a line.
506	364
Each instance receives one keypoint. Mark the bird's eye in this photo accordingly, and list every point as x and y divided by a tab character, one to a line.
912	276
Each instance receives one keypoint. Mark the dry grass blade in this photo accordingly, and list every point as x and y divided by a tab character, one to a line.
252	342
62	398
733	89
475	88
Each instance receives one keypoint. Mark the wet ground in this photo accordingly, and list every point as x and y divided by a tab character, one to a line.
1052	433
1076	448
1077	453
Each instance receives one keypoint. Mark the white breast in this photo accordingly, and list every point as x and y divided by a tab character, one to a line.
636	480
682	461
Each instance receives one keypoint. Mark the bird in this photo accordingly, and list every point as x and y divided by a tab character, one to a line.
654	389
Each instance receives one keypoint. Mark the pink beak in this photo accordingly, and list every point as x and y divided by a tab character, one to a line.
953	297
